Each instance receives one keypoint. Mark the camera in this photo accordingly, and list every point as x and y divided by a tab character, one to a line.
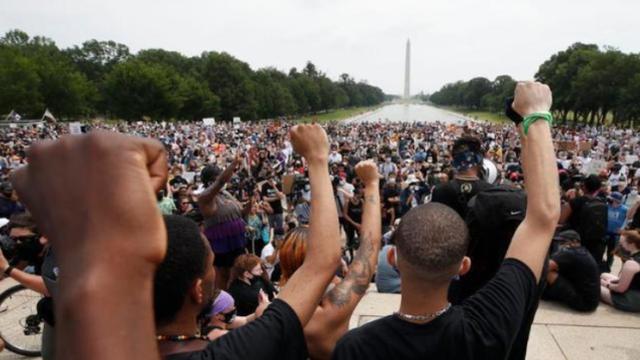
8	246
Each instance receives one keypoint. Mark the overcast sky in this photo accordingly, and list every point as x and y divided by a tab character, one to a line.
451	39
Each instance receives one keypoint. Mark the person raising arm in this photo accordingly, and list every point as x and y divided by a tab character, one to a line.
306	287
430	247
80	190
532	238
331	319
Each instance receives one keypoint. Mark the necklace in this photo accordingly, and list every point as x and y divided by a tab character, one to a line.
422	318
179	338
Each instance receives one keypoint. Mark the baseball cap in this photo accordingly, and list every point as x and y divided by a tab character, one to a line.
617	196
567	235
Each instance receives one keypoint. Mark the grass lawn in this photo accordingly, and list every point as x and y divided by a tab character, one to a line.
335	115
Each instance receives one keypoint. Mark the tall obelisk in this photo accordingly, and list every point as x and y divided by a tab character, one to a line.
407	72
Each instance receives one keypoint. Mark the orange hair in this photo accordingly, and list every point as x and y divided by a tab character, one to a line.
632	236
293	252
244	262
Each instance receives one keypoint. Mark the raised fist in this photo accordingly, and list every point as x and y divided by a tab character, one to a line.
310	141
531	97
86	191
367	171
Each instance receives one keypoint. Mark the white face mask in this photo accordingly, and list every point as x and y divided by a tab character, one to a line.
392	180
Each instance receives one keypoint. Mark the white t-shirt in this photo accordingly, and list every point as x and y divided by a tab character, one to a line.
268	250
335	158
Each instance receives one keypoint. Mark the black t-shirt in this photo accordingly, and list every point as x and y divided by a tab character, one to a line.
483	327
277	334
576	208
388	193
457	193
269	191
246	296
578	266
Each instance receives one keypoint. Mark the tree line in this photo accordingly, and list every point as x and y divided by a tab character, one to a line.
590	86
105	78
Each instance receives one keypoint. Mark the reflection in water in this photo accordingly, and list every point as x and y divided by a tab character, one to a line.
408	113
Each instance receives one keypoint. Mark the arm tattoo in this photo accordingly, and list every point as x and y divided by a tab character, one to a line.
372	199
358	277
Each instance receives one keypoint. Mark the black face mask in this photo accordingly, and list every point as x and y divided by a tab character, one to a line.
230	317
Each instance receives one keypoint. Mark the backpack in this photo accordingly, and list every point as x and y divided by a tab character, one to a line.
492	218
592	225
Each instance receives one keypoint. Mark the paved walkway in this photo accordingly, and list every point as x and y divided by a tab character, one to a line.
557	334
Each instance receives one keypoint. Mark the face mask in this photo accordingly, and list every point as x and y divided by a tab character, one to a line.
392	180
230	317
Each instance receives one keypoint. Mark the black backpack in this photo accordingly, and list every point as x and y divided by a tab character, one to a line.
492	218
592	225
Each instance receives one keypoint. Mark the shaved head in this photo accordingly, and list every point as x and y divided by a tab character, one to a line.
432	240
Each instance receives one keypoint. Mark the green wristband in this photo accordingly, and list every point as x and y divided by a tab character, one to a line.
531	118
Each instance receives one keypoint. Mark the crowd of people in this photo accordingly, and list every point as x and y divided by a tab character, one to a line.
273	232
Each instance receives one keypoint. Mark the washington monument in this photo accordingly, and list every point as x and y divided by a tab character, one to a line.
407	72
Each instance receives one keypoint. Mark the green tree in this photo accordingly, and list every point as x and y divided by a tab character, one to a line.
197	100
135	89
20	83
230	79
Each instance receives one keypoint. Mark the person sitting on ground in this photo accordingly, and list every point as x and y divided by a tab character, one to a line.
573	277
248	279
331	318
387	276
588	215
224	317
116	256
623	291
431	243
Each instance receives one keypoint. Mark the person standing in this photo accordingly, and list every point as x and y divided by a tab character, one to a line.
467	161
588	215
430	247
224	224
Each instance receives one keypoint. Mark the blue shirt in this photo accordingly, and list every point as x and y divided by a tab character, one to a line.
387	278
616	218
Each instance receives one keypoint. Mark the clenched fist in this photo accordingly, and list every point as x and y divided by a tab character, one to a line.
94	197
367	171
310	141
531	97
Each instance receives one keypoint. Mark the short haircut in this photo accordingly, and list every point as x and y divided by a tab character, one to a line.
432	239
184	262
23	220
592	183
